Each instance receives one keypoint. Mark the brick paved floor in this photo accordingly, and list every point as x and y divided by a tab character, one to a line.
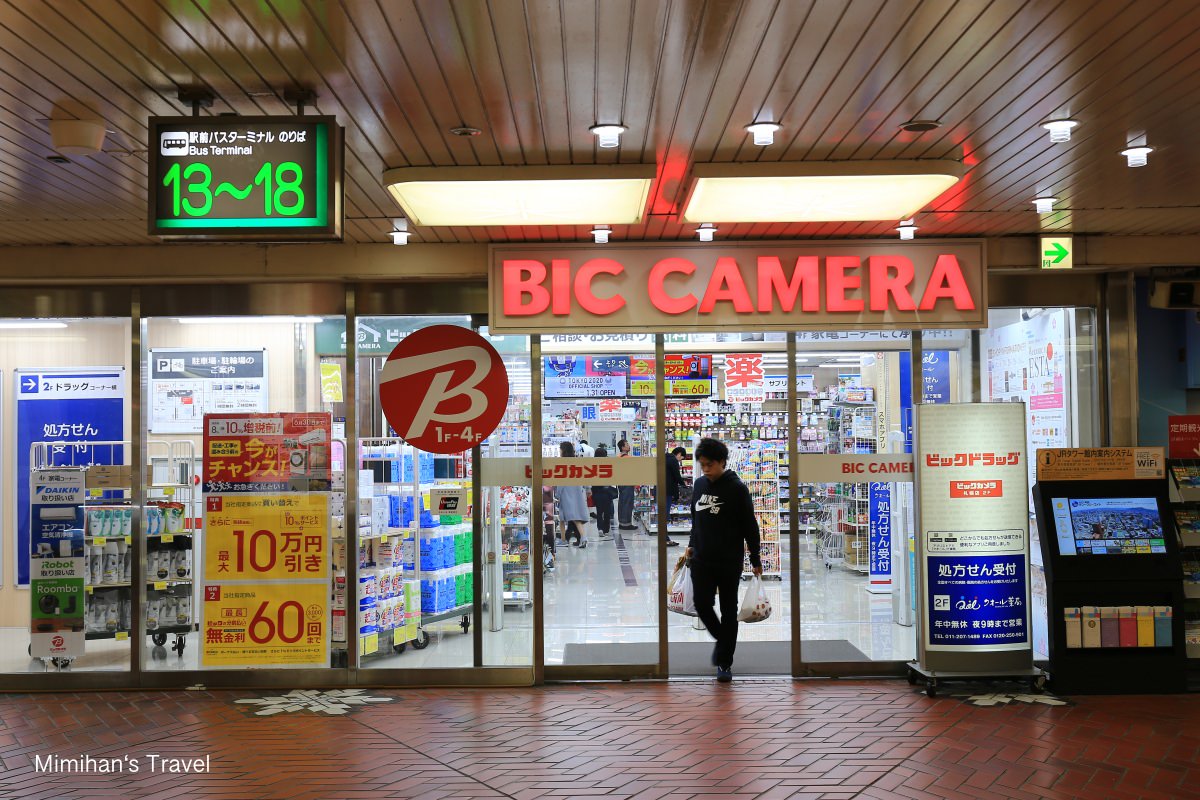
651	741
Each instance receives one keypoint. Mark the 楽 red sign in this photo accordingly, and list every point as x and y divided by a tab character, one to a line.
444	389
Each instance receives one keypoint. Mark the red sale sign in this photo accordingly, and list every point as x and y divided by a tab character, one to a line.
279	452
444	389
1183	436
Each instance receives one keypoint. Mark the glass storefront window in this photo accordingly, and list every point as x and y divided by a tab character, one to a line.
64	398
243	525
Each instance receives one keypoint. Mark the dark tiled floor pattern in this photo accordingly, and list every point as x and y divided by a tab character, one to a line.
657	741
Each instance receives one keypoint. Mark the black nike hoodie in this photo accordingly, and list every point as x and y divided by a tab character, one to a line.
723	523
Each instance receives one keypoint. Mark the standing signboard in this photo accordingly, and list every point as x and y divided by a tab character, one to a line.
57	564
187	384
81	404
973	539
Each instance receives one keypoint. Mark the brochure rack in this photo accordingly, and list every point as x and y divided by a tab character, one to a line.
1114	594
1185	476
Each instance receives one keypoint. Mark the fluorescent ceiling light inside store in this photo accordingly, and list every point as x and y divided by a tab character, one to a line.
29	324
818	191
247	320
567	195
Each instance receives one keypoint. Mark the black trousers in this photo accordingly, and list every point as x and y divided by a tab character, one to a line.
706	583
625	505
604	514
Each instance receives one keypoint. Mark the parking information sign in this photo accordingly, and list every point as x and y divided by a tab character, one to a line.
974	527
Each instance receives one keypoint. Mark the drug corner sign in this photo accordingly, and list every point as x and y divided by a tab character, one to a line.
753	286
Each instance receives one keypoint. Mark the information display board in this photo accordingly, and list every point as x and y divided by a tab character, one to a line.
187	384
246	178
973	557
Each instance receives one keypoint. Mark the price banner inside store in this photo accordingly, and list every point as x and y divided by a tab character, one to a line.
246	178
265	625
266	537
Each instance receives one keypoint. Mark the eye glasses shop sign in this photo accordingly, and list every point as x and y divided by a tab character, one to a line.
246	178
756	286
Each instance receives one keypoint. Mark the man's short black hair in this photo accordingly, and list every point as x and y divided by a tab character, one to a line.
713	450
622	443
679	451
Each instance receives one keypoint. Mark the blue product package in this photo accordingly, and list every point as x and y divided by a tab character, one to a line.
447	545
394	511
429	597
446	594
393	472
430	557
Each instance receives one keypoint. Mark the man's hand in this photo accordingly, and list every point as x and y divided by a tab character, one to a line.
687	553
757	571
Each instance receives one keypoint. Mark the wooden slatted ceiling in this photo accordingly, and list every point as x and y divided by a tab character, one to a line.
685	76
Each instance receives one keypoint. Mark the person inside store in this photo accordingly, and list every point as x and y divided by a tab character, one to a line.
572	504
724	527
604	498
585	449
675	484
624	495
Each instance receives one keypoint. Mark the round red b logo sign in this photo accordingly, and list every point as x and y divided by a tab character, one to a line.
444	389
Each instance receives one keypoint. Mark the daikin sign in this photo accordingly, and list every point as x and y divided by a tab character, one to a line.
751	286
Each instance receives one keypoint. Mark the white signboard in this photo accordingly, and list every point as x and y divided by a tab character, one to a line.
974	527
187	384
744	378
854	469
777	384
563	386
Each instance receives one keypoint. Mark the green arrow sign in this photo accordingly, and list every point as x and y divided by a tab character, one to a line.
1057	252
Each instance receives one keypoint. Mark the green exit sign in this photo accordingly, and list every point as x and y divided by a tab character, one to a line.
261	179
1057	252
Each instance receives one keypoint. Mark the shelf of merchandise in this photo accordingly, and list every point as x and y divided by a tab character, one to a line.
516	548
1186	476
844	518
388	547
757	465
168	504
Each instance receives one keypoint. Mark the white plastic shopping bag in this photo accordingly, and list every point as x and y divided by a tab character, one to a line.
679	591
755	605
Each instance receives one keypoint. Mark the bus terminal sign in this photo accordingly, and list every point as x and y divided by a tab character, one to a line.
245	178
744	286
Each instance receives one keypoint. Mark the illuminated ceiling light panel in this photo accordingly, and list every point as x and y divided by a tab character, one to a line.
817	191
567	195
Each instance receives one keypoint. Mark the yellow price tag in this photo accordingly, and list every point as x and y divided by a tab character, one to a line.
383	538
160	586
369	644
169	491
99	540
89	589
168	537
122	635
128	540
95	492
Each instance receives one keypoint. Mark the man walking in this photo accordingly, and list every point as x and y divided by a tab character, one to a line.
624	495
675	486
723	527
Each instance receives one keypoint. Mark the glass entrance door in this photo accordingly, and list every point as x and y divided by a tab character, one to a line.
599	468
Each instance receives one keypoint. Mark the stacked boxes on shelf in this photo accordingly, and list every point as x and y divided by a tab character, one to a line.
758	467
447	577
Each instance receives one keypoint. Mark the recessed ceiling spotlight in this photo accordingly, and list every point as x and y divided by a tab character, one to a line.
608	135
1060	129
764	132
600	234
57	159
907	229
1136	156
400	232
1044	204
706	231
465	130
921	125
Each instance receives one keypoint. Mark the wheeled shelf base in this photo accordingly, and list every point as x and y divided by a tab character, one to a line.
1036	677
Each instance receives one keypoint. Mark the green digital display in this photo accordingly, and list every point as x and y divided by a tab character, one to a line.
270	179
